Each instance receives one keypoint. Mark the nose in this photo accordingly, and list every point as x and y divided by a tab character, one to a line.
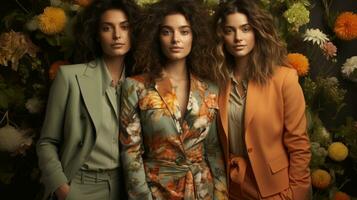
116	34
237	37
175	37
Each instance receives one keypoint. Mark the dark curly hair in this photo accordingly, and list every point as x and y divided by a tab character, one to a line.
86	29
149	57
269	50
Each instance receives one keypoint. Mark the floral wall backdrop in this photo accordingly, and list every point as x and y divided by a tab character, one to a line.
35	39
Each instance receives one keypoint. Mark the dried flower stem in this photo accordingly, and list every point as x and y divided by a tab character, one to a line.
22	7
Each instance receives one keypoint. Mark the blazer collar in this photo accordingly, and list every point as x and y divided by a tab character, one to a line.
167	93
90	83
254	96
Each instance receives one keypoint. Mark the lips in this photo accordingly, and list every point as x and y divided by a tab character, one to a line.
239	47
117	45
175	49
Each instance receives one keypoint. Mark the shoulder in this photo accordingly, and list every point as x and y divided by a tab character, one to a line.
283	74
72	70
204	84
140	80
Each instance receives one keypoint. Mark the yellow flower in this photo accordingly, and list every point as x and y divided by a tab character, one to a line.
341	196
299	62
52	21
346	26
320	179
337	151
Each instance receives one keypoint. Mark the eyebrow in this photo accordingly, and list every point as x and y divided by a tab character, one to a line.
227	26
180	27
121	23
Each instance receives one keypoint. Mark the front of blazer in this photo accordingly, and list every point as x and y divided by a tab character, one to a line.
72	119
166	155
275	134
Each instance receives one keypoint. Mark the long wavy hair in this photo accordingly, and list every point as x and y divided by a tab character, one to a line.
269	50
201	61
86	29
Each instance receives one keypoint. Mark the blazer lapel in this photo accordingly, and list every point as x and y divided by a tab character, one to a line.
90	84
223	104
254	96
168	96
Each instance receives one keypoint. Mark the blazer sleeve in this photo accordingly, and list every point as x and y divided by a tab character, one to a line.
295	137
132	145
51	135
215	159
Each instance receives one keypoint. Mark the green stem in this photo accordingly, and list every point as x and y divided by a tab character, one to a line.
22	7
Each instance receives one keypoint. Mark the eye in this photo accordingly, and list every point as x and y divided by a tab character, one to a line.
185	32
125	26
246	29
165	32
105	28
228	31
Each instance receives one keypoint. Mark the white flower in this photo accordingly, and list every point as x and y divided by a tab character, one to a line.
349	66
75	7
200	122
315	36
193	105
12	139
34	105
32	25
55	3
133	129
324	133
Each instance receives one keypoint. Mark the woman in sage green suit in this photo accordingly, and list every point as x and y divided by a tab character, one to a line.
170	148
78	149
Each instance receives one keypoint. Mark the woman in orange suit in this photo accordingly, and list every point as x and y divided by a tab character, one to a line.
262	109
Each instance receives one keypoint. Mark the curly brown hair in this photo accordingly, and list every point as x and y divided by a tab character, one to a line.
201	61
86	29
269	50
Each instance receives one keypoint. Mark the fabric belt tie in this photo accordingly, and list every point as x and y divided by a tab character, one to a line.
238	166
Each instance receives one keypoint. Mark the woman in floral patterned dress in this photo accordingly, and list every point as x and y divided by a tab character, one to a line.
170	148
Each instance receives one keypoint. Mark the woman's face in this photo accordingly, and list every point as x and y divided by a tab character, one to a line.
238	35
114	34
175	37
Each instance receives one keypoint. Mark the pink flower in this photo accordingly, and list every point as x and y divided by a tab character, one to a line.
329	49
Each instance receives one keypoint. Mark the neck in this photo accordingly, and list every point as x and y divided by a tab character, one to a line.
177	69
115	66
239	68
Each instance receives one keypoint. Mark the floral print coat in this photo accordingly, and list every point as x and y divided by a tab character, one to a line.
167	156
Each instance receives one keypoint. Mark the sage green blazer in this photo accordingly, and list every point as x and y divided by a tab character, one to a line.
71	123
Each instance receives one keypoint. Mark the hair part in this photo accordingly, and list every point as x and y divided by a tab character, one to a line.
269	51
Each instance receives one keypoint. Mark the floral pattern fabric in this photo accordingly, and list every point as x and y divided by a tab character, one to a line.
166	155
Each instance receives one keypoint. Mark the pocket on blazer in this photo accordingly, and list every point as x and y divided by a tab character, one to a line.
279	163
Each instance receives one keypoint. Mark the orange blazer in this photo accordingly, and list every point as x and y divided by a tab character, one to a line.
275	134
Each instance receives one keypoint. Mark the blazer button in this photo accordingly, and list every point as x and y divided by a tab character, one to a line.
250	150
82	117
80	144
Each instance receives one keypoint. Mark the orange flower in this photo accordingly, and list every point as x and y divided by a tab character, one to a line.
320	179
346	26
341	196
299	62
54	68
83	3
